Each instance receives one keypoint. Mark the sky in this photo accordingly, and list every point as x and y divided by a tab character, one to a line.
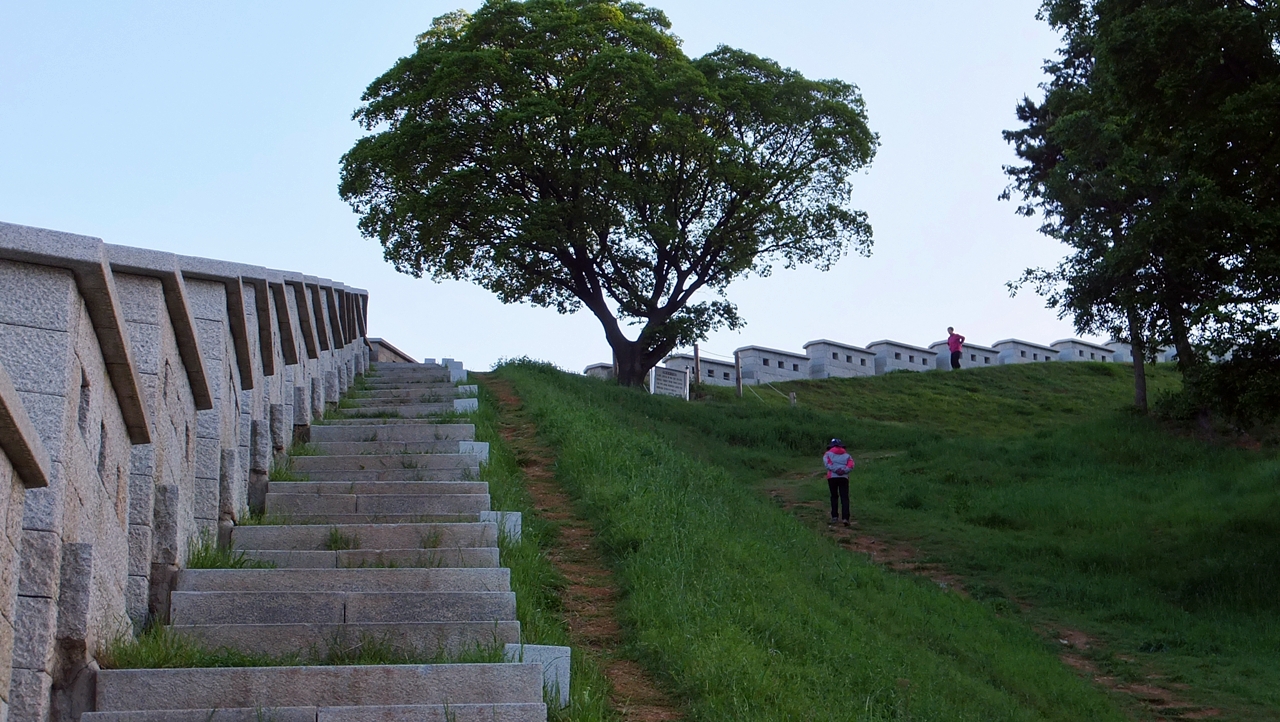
216	129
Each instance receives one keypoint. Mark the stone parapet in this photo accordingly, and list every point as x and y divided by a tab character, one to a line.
142	396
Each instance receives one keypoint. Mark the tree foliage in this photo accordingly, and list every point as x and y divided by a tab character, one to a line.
1154	157
567	153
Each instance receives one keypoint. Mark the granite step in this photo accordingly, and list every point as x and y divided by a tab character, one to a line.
411	411
316	537
344	580
445	391
320	686
441	558
388	446
378	487
528	712
469	473
415	640
374	462
389	430
330	607
310	505
302	518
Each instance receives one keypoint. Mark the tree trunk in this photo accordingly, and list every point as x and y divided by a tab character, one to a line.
632	371
1138	347
1181	339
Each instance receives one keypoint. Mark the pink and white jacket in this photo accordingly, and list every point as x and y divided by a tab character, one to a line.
838	463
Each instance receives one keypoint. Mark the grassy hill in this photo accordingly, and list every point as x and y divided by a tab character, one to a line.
1061	514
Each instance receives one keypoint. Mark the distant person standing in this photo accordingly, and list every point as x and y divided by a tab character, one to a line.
955	344
839	464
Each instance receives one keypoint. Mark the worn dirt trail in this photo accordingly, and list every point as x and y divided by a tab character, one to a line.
1158	696
590	599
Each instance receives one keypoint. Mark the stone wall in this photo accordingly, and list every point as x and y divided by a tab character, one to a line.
143	396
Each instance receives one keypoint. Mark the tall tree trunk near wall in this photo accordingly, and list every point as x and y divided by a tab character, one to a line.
1138	346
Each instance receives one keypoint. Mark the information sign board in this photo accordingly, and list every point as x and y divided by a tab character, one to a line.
669	382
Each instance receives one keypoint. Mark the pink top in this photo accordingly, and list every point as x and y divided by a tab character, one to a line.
955	342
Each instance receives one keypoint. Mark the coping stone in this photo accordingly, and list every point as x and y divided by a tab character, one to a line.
19	439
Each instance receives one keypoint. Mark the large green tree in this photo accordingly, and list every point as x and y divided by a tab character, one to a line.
567	153
1154	157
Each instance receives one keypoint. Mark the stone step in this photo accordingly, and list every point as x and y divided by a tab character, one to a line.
528	712
424	640
280	607
377	421
409	411
344	580
361	404
311	518
460	474
375	462
412	393
328	686
295	505
378	487
442	558
348	448
438	376
389	430
316	537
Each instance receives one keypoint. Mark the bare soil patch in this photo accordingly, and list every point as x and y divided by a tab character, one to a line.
590	598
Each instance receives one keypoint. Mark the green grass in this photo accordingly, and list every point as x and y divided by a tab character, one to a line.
535	581
204	553
283	471
1033	482
337	541
160	647
305	449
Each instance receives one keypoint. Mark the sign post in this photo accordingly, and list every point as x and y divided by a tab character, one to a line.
737	371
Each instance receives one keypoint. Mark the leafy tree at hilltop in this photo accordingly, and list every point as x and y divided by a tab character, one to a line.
567	153
1155	156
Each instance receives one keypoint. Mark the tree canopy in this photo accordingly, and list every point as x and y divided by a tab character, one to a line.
1154	157
567	153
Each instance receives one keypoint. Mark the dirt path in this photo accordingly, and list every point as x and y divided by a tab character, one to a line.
1161	698
591	596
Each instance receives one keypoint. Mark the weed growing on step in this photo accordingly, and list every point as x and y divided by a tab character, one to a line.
159	647
535	581
383	649
337	541
204	553
431	540
265	519
305	449
283	471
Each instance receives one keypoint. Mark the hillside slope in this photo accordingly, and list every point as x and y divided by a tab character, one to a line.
1059	509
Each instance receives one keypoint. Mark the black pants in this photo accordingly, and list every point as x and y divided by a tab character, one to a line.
955	359
839	495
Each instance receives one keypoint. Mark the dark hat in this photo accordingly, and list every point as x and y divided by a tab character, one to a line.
834	442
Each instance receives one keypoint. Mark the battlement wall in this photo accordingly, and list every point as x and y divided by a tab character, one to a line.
143	396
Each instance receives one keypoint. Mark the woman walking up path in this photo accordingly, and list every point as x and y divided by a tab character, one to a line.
955	344
839	463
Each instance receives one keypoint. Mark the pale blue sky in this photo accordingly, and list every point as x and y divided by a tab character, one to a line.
215	129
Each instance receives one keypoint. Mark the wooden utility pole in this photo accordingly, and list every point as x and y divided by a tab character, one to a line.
737	371
697	364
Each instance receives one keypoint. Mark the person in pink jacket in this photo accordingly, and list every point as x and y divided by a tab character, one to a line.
839	463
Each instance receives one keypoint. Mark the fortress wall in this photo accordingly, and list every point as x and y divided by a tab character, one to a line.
147	395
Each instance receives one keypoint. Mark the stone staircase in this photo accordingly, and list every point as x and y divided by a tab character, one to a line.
389	541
